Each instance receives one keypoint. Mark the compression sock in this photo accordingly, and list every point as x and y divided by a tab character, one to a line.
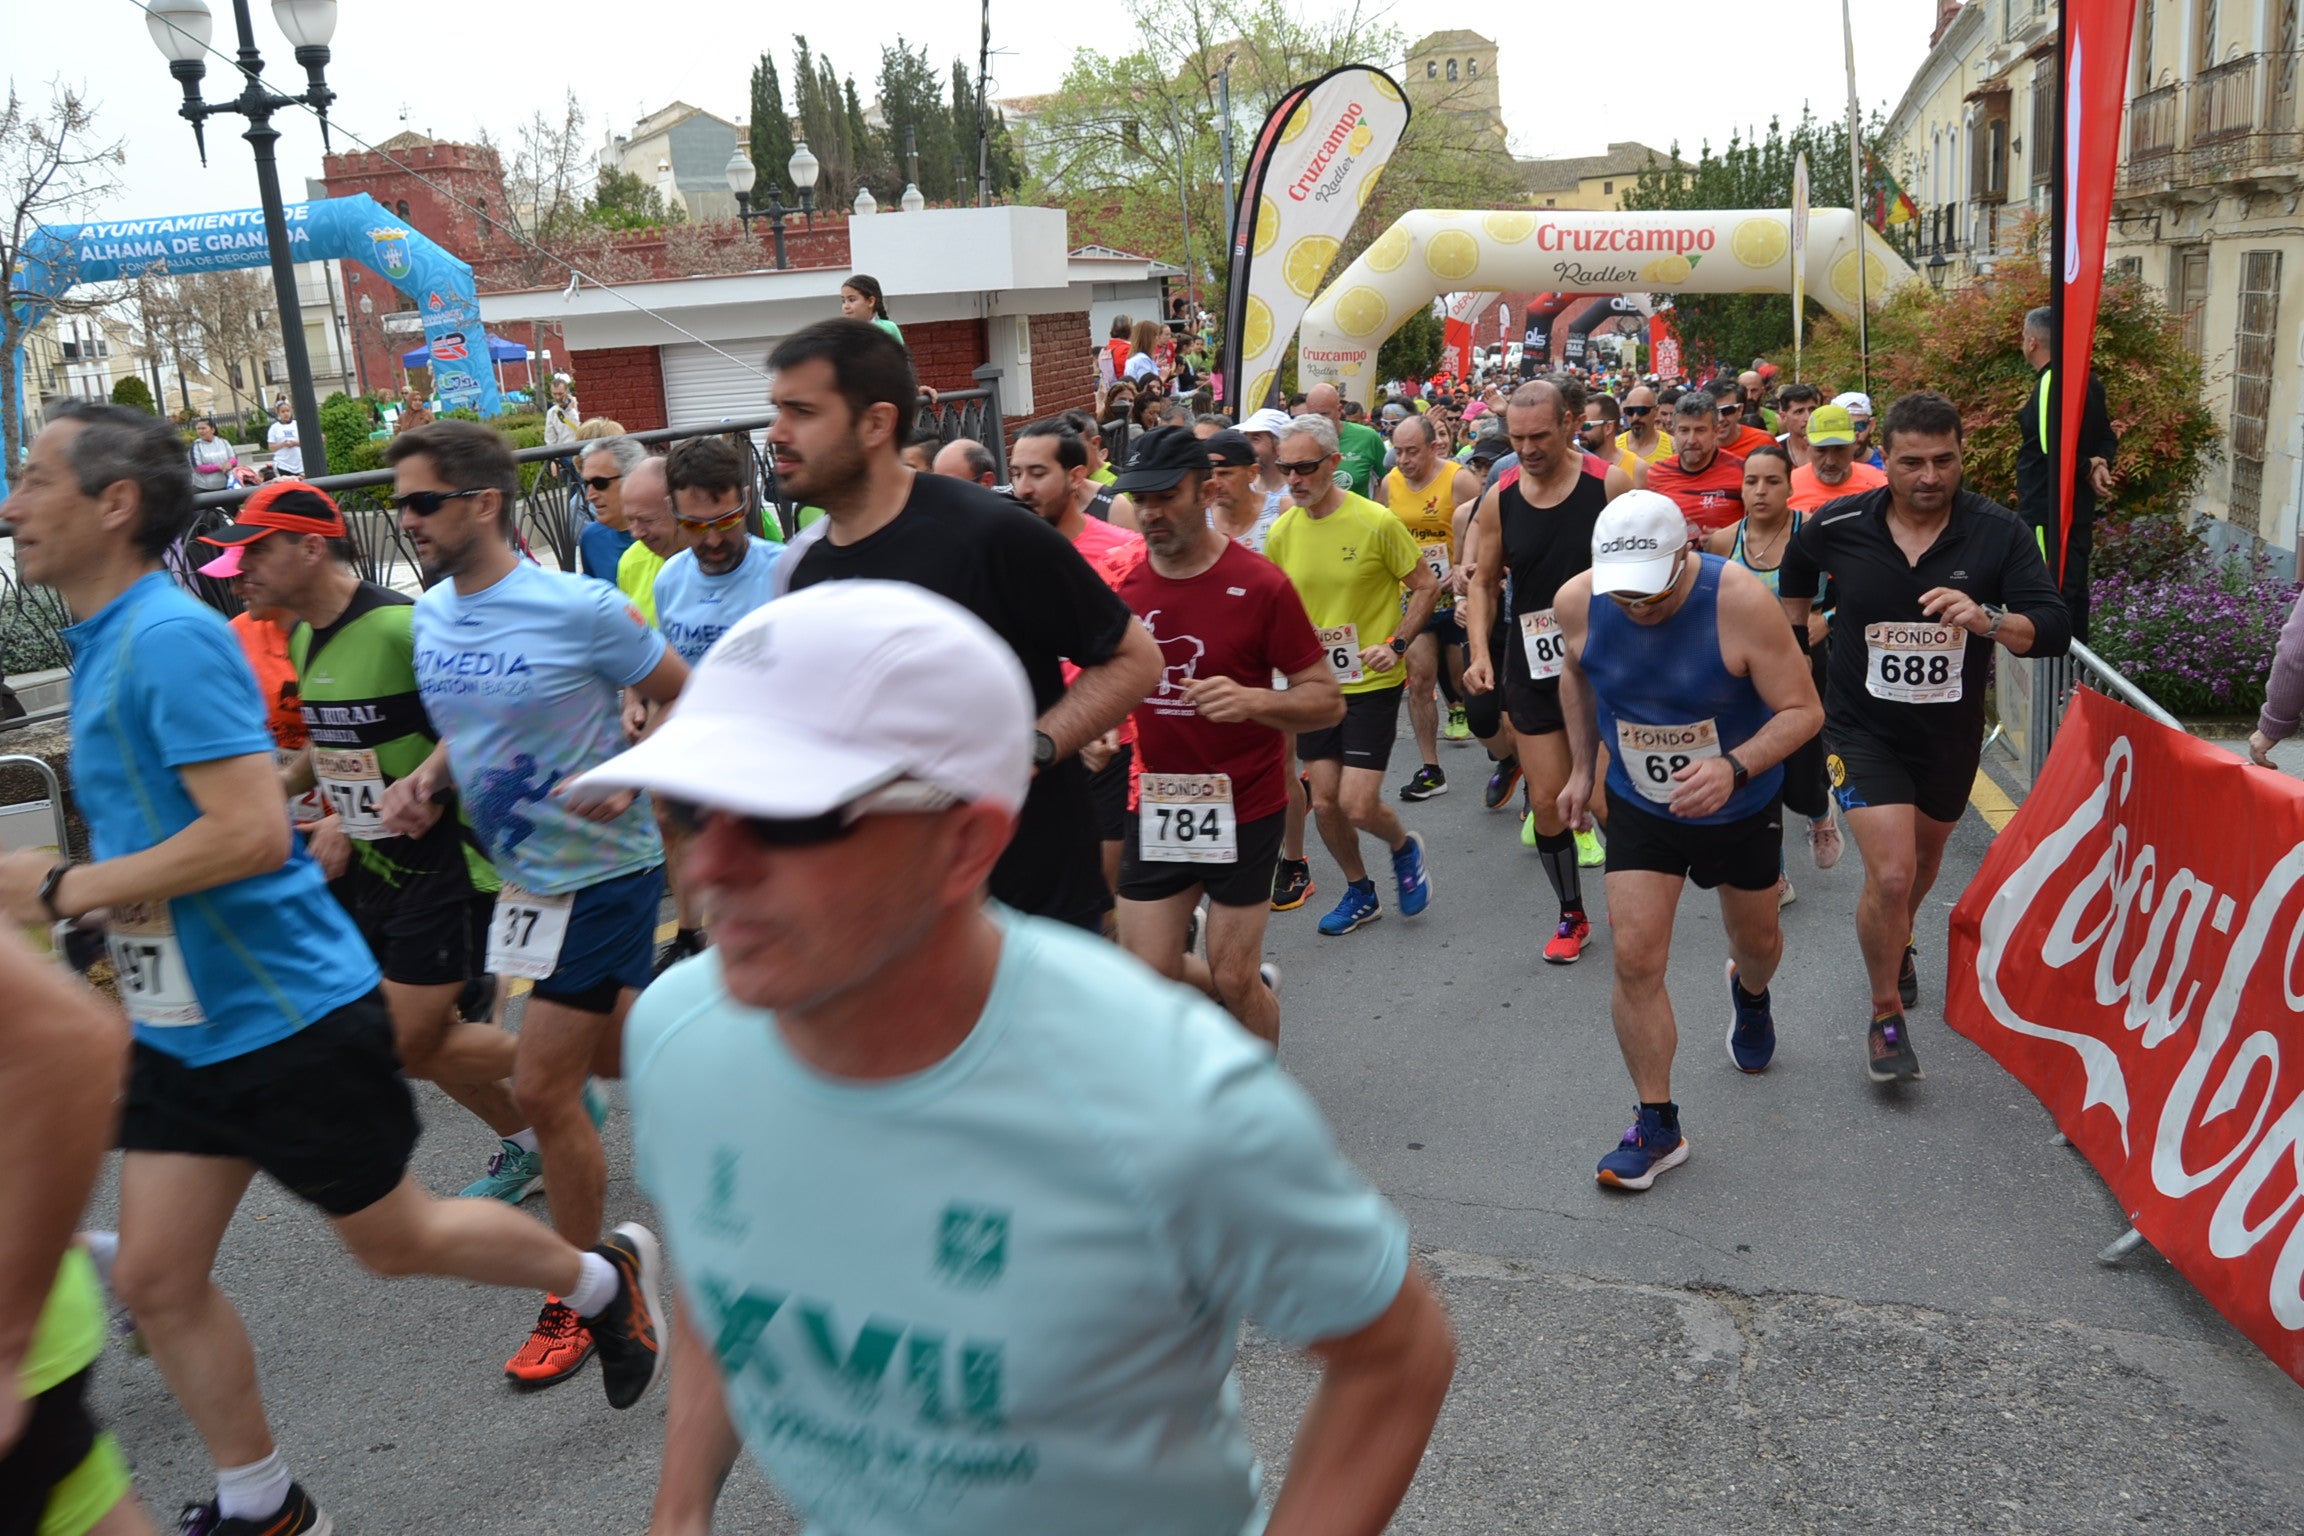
253	1492
595	1289
1557	851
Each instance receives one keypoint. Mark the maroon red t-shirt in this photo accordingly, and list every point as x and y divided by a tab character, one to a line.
1242	619
1711	499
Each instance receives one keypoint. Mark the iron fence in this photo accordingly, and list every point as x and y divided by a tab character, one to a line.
2035	692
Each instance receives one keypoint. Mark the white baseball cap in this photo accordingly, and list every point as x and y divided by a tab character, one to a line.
1637	544
1267	420
817	699
1855	403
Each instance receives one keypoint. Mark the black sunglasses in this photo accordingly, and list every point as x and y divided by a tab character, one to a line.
1638	410
601	482
425	503
1305	467
687	818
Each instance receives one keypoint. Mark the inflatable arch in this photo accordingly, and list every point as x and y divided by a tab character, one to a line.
1430	252
356	228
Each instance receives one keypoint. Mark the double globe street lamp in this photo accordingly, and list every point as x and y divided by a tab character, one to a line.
181	29
743	175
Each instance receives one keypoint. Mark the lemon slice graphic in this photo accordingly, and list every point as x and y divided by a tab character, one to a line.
1760	243
1307	263
1452	255
1361	312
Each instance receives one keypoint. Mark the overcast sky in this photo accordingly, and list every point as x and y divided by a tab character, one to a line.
1570	85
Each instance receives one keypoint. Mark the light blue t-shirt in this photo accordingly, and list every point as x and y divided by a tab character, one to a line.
1002	1295
694	609
521	681
158	684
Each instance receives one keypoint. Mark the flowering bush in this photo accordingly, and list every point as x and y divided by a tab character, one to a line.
2199	636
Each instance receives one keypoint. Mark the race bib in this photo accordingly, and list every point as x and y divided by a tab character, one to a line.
1653	754
526	931
1547	650
353	786
1914	663
1186	818
1436	556
149	966
307	807
1343	647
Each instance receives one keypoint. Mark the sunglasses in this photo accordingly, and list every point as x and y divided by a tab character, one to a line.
1306	467
1638	410
601	482
688	818
1636	604
728	524
425	503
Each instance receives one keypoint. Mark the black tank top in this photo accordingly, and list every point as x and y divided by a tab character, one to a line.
1544	546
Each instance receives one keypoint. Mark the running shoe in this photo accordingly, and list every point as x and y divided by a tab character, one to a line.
298	1517
1589	853
1292	885
1908	977
1429	781
1824	841
1269	974
685	942
595	1103
1651	1146
1358	908
1413	878
514	1174
631	1354
1528	830
1785	895
556	1351
1751	1028
1459	729
1891	1057
1567	946
1501	783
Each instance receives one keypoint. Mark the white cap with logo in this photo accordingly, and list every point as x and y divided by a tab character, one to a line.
1855	402
1637	544
817	699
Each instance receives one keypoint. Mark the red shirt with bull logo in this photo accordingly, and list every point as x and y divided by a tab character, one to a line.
1712	498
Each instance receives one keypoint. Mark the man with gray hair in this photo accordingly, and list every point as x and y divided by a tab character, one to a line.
964	458
2036	437
601	470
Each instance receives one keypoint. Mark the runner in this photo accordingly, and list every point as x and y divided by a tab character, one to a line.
1105	505
1348	558
1682	666
422	903
1643	436
1832	470
656	534
1213	795
1539	530
1292	886
262	1041
841	392
1757	542
62	1053
1361	447
1706	482
1797	403
1601	432
1928	577
520	670
1424	492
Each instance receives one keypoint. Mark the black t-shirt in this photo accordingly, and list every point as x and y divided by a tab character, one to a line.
1985	551
1543	548
1026	581
2036	460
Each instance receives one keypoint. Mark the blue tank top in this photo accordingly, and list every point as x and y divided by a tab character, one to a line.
1666	698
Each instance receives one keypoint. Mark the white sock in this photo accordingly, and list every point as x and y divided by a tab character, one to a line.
524	1140
104	1248
254	1491
595	1290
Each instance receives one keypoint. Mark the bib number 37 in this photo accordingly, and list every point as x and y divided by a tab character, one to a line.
525	932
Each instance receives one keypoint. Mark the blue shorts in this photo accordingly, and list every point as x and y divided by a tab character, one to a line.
611	942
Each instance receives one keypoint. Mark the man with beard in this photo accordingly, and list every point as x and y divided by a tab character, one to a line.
1706	482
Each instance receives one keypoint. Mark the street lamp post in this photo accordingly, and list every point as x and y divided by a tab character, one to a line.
181	29
743	175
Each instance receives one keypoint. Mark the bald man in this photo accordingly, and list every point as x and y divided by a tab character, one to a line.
656	535
964	458
1361	446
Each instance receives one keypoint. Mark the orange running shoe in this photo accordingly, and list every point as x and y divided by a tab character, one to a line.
1567	946
556	1351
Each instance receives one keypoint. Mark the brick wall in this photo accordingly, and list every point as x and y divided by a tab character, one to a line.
947	353
625	384
1063	364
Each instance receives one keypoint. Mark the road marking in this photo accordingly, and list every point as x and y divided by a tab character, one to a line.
522	986
1990	802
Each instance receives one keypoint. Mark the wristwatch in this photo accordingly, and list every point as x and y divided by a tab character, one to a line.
1996	614
48	889
1737	769
1399	646
1043	750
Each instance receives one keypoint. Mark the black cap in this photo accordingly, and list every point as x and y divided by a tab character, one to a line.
1229	447
1163	456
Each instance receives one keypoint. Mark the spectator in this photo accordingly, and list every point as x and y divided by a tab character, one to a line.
213	459
1112	357
1144	354
563	416
2036	467
860	299
280	437
2283	691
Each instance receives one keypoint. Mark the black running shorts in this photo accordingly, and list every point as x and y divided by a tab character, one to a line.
1534	707
1108	796
1245	882
1744	855
1364	737
1935	778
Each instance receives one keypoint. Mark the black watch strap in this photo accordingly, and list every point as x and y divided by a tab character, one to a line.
48	889
1736	768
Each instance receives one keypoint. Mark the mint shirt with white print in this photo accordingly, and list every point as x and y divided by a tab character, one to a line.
1002	1295
523	680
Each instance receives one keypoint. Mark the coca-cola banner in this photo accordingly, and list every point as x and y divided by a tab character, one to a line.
2133	951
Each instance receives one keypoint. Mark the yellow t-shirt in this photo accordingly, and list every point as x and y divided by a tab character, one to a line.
636	578
1656	455
1347	567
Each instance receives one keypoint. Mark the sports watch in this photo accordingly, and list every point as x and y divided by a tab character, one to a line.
1739	773
1399	646
1043	750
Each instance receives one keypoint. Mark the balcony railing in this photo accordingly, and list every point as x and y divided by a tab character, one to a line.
2242	119
2227	101
2153	121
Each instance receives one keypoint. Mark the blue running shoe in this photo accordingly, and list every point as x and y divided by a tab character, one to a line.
1414	879
1648	1148
514	1174
1751	1029
595	1103
1358	907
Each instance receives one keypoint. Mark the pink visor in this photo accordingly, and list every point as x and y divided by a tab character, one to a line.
226	565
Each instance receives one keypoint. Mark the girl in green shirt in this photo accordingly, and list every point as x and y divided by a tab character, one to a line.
860	300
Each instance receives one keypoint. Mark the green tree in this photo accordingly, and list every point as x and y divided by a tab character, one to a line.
1752	172
1000	154
344	427
864	151
1413	351
623	201
911	96
771	129
823	119
130	389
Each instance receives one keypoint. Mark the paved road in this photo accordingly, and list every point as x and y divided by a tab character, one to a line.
1850	1311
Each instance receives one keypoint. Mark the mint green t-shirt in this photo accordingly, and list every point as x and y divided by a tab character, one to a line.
1002	1295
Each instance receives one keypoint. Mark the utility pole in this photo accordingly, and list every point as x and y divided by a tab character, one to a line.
1224	113
983	135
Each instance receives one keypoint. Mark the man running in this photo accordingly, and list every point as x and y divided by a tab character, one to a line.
1797	403
422	903
1643	436
1349	558
1679	664
1832	470
1425	492
601	469
521	670
263	1041
1603	419
1360	447
1539	529
1706	482
1928	577
1240	502
1293	885
1209	741
656	534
